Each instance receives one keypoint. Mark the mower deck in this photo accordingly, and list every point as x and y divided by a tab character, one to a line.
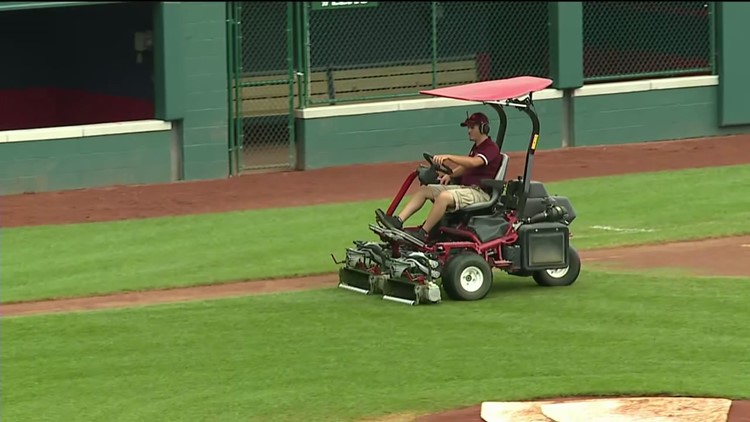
397	289
370	268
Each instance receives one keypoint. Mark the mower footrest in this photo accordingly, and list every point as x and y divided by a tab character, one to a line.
396	235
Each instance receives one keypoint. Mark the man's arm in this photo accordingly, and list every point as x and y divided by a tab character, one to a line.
458	171
462	160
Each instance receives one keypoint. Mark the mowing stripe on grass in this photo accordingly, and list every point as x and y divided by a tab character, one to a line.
99	258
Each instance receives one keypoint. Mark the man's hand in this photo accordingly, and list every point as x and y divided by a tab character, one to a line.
440	159
445	179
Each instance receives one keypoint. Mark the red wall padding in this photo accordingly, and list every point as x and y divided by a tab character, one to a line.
50	107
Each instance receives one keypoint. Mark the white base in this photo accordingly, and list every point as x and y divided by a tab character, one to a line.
635	409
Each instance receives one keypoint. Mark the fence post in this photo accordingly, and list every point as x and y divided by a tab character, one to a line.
231	93
566	58
299	57
237	69
712	28
290	68
433	13
305	52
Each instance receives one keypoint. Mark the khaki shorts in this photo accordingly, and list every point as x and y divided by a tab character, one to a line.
463	196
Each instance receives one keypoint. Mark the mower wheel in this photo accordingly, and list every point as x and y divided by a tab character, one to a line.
467	276
563	276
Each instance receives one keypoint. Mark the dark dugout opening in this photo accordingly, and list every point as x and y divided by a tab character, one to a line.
65	66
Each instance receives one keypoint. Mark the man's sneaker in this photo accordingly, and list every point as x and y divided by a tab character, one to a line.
412	230
420	234
390	221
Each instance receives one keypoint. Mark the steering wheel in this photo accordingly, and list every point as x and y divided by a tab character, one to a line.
440	167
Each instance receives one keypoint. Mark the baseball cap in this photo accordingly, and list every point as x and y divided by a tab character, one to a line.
476	119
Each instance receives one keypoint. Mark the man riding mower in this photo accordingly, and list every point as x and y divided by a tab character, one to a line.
478	222
467	172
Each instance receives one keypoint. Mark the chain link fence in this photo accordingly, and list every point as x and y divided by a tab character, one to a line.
372	51
395	49
634	40
263	83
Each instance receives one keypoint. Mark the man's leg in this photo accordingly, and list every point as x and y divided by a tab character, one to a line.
453	198
417	201
443	201
415	204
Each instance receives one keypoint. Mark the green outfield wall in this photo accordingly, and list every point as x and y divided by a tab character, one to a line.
184	132
647	111
603	114
72	159
204	60
357	134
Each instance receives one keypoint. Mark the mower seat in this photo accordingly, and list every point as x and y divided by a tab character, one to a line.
497	184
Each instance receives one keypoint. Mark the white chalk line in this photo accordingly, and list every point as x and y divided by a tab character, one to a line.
623	230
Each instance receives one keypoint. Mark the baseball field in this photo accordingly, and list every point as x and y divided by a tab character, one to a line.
217	300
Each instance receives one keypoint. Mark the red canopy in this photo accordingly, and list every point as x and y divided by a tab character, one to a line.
497	90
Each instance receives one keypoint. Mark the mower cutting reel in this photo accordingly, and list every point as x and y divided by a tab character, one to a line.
370	269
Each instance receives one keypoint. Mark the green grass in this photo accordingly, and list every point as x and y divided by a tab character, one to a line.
661	206
334	355
56	261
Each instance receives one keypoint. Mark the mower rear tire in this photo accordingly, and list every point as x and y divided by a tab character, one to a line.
467	276
560	277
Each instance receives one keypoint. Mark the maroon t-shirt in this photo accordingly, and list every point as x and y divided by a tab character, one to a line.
490	153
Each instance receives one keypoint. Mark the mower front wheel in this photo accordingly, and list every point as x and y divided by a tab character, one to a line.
563	276
467	276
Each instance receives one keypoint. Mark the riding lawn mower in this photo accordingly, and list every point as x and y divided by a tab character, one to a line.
522	229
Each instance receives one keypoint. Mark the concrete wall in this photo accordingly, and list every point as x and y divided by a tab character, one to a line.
733	32
205	126
649	111
84	156
403	130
